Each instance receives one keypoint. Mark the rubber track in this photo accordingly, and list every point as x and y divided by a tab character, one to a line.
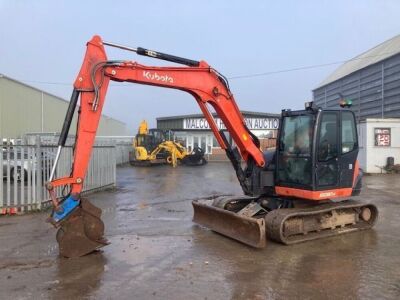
275	221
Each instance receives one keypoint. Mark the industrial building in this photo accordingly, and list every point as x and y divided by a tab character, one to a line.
26	109
371	81
194	131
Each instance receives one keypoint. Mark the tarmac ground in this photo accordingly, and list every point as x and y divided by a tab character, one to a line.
157	252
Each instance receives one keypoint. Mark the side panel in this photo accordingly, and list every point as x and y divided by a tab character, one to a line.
313	195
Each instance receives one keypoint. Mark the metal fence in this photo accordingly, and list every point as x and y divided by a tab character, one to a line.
25	169
123	144
122	152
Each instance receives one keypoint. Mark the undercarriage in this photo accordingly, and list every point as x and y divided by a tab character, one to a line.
251	220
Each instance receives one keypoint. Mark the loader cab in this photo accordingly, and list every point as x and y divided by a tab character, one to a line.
151	140
317	150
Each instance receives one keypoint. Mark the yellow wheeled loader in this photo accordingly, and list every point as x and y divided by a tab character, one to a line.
151	146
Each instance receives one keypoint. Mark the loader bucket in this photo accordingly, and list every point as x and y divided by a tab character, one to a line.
196	158
82	231
250	231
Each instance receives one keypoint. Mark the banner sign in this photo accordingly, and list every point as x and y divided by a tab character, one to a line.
252	123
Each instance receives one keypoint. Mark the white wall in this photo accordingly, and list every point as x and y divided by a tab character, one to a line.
362	154
373	157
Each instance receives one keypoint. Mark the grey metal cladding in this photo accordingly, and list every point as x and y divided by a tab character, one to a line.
374	90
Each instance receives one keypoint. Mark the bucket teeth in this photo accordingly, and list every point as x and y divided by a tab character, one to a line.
81	232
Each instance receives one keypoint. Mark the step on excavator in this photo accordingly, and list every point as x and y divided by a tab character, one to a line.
155	146
303	190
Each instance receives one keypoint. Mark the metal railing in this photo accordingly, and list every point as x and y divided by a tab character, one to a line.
25	169
123	144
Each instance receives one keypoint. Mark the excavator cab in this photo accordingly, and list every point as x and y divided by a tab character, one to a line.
317	151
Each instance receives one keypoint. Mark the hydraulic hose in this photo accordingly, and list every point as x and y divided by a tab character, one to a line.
68	118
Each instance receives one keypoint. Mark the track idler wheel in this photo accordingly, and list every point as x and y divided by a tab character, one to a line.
82	231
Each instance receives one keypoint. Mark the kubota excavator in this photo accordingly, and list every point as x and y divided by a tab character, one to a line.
298	192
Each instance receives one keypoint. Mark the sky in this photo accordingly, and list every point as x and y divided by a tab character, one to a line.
42	43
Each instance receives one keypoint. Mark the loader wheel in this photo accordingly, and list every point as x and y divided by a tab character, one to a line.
201	162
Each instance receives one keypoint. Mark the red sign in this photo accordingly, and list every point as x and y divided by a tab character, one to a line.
382	137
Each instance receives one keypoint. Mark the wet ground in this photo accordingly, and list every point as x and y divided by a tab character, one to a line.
156	251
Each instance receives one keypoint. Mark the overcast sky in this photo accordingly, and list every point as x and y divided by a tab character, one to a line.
42	43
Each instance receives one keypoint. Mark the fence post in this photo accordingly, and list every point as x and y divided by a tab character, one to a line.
39	172
114	161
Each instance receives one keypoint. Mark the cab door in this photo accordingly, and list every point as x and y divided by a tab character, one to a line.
348	149
327	151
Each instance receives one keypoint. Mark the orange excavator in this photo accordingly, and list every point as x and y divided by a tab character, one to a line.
300	191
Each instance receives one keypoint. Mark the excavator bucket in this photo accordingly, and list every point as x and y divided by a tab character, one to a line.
248	230
82	231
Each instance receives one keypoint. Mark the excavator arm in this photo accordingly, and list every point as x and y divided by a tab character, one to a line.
208	87
205	84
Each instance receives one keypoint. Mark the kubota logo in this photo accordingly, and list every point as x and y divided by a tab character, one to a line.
157	77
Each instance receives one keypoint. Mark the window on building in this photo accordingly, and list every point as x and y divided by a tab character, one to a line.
214	142
203	144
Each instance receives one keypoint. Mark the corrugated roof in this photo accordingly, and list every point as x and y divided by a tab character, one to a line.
378	53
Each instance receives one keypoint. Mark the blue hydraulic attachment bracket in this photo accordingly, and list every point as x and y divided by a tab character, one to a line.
65	208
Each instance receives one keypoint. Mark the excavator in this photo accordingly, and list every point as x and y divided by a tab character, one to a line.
303	190
152	146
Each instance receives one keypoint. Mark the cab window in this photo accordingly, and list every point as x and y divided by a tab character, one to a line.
349	136
327	141
295	161
297	135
